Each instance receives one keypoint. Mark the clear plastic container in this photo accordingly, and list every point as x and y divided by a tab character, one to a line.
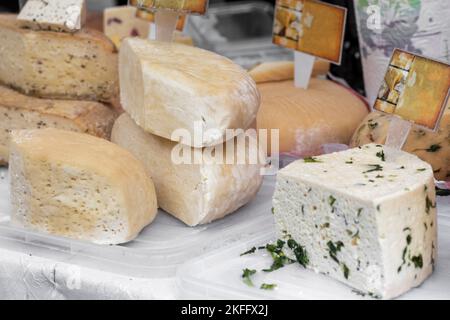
158	250
217	275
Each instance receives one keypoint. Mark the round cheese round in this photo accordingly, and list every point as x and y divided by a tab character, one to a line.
432	147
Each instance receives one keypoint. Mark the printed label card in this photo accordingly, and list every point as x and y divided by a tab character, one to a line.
313	29
415	90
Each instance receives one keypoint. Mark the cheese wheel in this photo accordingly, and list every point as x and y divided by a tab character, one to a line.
194	193
78	186
306	119
22	112
168	86
284	70
432	147
57	65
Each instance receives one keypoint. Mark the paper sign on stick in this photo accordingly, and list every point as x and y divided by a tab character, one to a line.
312	28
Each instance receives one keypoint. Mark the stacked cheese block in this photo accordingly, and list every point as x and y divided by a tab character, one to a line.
365	216
54	73
167	87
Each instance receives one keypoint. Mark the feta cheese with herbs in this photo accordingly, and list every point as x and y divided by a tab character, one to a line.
53	15
365	216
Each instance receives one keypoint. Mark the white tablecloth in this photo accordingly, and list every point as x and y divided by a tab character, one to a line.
28	277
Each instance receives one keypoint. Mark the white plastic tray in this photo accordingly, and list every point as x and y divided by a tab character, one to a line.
217	275
159	249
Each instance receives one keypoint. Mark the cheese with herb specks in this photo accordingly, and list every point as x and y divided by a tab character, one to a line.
365	216
53	15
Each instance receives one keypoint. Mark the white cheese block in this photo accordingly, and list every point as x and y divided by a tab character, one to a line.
365	216
168	86
23	112
53	15
78	186
194	193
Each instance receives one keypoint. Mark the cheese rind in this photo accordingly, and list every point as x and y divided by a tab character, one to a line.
194	193
23	112
167	86
363	221
432	147
56	65
53	15
78	186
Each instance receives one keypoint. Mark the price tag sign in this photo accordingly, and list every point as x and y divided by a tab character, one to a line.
166	13
313	29
415	88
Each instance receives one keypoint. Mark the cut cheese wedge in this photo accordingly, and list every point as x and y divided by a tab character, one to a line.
194	193
78	186
432	147
57	65
167	86
365	216
22	112
53	15
306	119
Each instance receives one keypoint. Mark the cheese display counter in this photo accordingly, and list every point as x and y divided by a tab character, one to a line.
147	160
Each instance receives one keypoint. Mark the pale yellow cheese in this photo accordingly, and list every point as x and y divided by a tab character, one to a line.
194	193
168	86
78	186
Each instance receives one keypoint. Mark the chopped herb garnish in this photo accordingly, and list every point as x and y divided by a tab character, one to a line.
381	155
359	212
333	249
311	160
273	210
421	169
246	275
325	225
429	205
278	256
434	148
374	167
418	261
268	286
252	250
331	200
408	239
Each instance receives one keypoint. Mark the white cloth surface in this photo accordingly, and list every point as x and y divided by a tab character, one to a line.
29	277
